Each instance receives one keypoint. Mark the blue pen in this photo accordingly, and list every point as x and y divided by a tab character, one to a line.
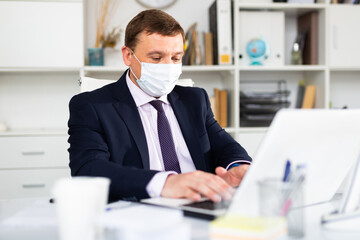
287	171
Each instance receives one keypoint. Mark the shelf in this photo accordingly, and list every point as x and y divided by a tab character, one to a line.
104	69
33	132
39	69
345	69
282	6
288	8
202	68
286	68
199	68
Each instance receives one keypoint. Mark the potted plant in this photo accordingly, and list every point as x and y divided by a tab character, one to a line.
104	12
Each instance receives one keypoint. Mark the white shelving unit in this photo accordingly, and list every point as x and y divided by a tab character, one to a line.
34	99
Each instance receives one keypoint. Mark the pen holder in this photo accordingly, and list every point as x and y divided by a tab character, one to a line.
278	198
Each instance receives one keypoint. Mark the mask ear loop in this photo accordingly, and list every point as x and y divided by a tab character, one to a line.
130	67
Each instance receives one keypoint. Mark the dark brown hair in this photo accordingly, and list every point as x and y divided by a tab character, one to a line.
151	21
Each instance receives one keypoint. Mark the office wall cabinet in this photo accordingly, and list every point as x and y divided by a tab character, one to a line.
31	162
34	98
24	183
41	49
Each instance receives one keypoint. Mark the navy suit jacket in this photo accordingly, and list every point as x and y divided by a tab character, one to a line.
107	138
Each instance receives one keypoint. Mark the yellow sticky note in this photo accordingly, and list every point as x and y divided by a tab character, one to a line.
225	58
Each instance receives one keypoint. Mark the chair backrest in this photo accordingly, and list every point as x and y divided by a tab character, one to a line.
89	84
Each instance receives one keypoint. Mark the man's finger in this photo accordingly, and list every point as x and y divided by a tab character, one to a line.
220	171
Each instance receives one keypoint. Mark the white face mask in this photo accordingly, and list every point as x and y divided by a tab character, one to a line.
157	79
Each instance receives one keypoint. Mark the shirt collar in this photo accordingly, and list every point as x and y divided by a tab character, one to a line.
140	97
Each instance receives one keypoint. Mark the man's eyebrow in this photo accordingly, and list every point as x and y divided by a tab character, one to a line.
160	53
154	52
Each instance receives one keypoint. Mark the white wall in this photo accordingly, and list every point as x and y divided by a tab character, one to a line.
186	12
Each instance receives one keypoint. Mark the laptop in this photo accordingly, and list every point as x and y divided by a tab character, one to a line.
327	141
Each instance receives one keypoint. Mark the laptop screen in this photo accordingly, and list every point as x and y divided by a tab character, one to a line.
327	141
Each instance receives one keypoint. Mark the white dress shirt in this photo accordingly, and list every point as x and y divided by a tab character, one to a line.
148	115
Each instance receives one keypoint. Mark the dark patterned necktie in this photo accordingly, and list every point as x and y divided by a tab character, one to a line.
171	162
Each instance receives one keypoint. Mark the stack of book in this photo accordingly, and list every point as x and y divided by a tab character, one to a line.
214	47
258	108
219	106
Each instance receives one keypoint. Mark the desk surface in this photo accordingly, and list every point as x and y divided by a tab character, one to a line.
199	228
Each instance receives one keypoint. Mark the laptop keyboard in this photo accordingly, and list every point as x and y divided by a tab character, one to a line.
208	204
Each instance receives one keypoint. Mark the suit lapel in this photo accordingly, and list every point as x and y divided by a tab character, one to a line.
126	108
188	130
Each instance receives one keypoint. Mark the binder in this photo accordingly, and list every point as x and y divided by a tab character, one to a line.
309	23
220	16
267	25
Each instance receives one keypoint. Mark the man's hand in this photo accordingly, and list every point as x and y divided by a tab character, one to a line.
234	176
196	184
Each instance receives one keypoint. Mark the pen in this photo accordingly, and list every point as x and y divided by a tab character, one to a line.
118	205
287	171
295	184
288	196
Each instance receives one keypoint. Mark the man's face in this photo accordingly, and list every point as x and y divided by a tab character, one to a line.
154	48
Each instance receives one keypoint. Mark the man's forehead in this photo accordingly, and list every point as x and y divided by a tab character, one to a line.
156	43
145	36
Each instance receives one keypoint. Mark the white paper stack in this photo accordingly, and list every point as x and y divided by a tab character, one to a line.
140	222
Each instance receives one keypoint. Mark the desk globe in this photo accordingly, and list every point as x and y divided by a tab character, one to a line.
258	50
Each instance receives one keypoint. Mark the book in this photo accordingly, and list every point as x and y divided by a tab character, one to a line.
193	48
308	23
309	97
220	22
217	104
300	94
189	44
213	106
208	48
223	108
250	228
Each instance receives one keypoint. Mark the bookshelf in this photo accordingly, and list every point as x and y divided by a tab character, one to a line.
323	75
34	98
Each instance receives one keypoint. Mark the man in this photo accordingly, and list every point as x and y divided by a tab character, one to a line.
148	136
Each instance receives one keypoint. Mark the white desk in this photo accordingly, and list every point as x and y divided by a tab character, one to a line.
199	228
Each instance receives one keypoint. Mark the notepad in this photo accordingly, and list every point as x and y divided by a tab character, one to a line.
242	227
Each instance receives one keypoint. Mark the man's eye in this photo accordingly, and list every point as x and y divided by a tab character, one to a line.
156	59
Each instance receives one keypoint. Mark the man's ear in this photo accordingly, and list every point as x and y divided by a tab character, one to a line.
126	54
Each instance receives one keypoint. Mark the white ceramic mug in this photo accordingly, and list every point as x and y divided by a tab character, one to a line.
80	201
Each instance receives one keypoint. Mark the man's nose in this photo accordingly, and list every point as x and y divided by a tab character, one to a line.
166	60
